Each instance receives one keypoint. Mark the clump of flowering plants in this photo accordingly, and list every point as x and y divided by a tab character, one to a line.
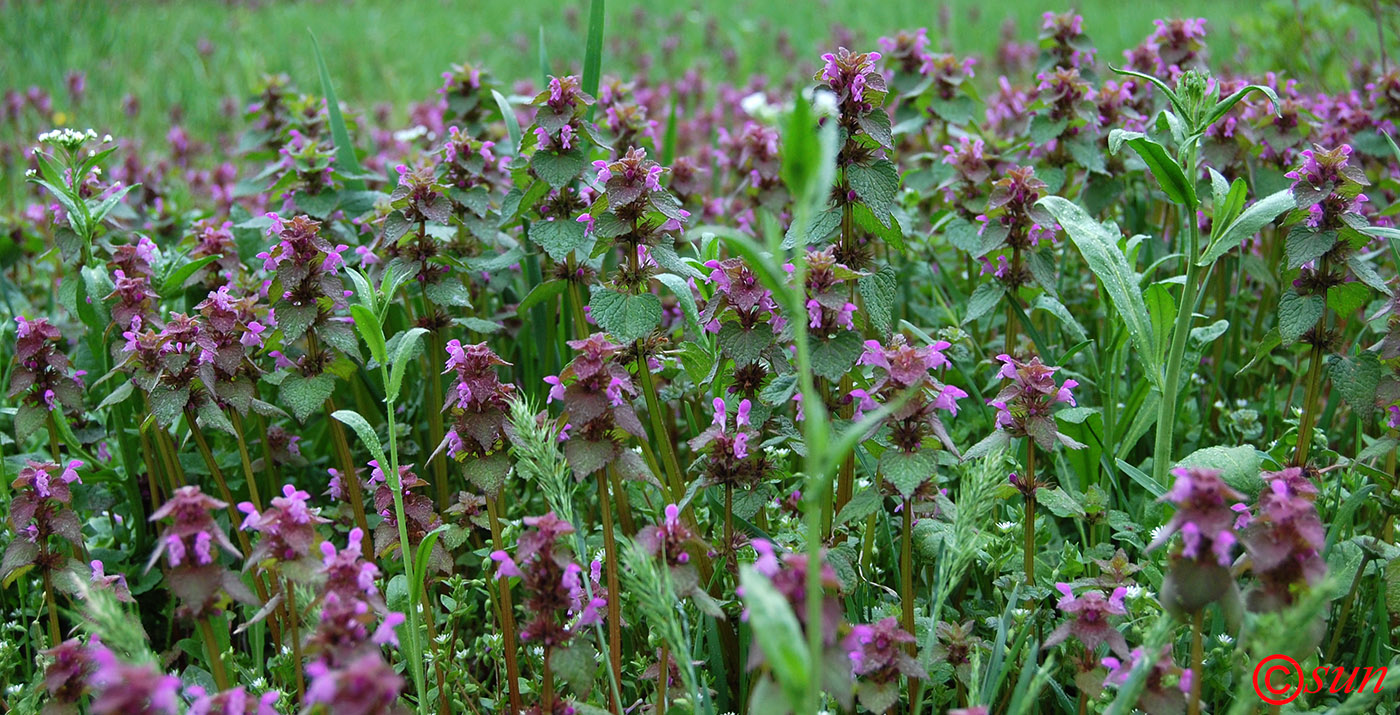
903	381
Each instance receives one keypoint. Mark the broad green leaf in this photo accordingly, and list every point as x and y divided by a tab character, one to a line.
876	184
367	324
1297	315
907	471
403	354
1060	503
628	317
878	290
541	293
833	357
1248	223
1162	310
681	289
1165	169
984	300
512	123
305	395
1238	466
1099	246
176	280
364	431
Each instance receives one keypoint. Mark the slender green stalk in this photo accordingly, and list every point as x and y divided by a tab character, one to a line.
1310	400
614	591
1193	705
293	633
248	475
50	604
507	613
906	571
1166	409
216	660
395	483
1029	546
347	467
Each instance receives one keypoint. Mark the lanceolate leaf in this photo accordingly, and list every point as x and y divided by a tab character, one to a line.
1254	218
1099	246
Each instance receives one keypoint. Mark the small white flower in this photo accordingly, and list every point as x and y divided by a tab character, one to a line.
1135	591
106	138
1225	639
408	135
30	172
1157	531
1006	526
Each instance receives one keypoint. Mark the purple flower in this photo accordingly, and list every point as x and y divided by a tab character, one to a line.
1088	619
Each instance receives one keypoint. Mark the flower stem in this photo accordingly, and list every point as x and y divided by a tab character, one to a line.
293	633
203	444
1029	546
216	660
1176	352
663	674
1310	406
507	614
54	631
1194	703
614	591
661	435
435	427
395	483
348	478
906	571
248	475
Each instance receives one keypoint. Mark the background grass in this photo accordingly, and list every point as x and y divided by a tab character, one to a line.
395	51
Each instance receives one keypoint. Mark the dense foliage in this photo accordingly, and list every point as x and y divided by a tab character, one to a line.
895	390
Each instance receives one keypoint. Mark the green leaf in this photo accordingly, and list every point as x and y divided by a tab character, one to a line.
1162	310
561	237
1238	466
1357	377
1297	315
876	184
1099	246
907	471
176	279
1059	503
119	395
345	159
1043	128
681	289
779	636
1347	298
558	169
364	431
1165	169
305	395
984	300
367	324
863	504
1304	244
541	293
744	346
628	317
593	50
878	291
294	319
403	354
1247	224
834	357
512	122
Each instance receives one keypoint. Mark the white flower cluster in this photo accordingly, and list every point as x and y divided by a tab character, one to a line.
68	138
71	138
